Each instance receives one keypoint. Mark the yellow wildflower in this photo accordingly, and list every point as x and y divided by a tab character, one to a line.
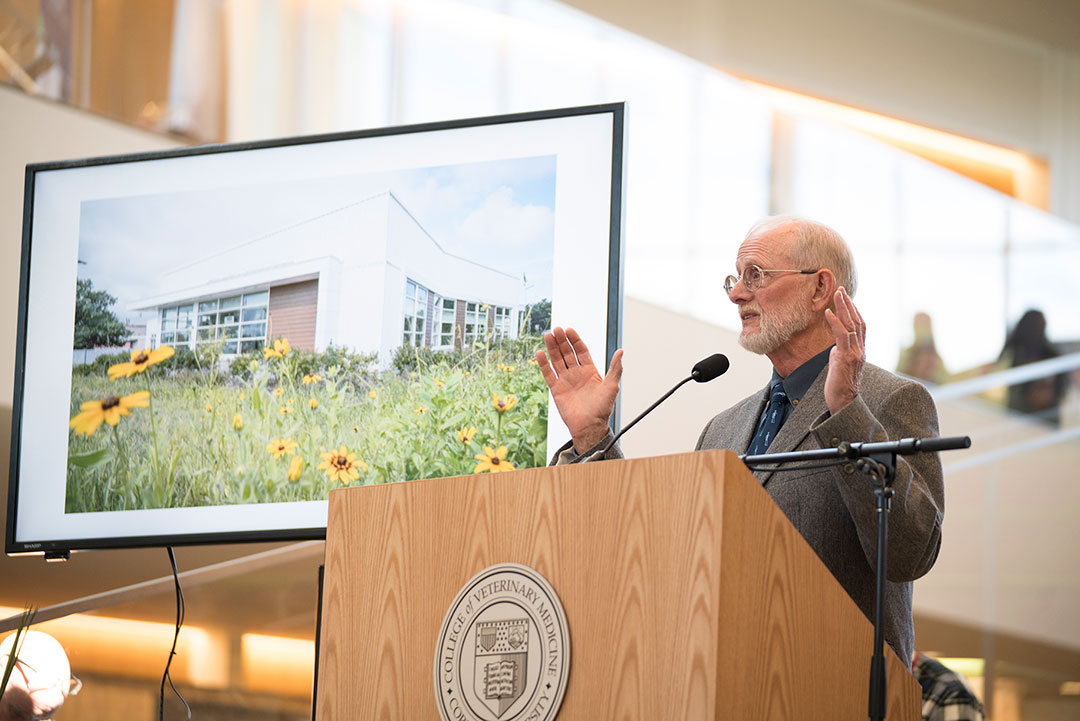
466	434
237	422
308	379
313	403
209	408
284	410
493	461
279	447
503	404
278	350
439	383
279	391
108	409
505	368
421	410
296	466
140	361
341	465
372	394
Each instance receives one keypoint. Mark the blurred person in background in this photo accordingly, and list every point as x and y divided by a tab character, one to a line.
920	359
946	693
1027	343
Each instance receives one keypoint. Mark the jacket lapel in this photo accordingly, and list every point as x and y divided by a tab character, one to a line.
797	426
746	420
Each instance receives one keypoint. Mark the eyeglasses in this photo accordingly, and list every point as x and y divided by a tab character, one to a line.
754	276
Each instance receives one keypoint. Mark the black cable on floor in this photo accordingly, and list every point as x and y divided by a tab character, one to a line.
179	622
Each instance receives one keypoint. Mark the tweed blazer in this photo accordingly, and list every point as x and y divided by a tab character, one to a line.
835	508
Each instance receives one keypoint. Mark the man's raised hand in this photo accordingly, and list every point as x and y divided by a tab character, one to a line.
584	399
848	355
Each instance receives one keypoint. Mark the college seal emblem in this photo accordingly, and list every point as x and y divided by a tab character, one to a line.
503	652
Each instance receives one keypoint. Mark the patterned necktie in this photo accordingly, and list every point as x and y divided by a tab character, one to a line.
774	415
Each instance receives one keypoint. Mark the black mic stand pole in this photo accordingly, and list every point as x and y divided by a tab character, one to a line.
882	469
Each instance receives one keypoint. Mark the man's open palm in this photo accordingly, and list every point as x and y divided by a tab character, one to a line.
584	399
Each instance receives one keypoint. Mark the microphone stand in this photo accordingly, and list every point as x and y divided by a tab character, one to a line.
878	461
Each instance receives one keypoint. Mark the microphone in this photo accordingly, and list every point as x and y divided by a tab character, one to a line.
703	371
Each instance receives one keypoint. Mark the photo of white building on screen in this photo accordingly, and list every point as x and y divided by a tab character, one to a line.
365	276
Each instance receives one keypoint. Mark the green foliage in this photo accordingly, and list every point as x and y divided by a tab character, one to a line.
354	369
205	443
185	359
95	324
100	365
537	318
407	359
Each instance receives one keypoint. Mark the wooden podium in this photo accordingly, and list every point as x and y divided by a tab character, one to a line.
688	594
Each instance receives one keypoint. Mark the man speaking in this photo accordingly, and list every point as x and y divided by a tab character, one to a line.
793	289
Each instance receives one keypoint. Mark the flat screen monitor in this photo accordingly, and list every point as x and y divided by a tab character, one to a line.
211	339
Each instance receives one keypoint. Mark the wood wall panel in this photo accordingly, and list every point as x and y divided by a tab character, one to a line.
130	56
292	313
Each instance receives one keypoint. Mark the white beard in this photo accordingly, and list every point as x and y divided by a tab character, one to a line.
777	327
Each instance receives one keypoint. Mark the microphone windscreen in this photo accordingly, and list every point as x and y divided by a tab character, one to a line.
712	367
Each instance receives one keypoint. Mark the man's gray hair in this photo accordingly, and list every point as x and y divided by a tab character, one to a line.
819	246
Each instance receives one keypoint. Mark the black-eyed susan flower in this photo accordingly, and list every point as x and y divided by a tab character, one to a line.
505	368
284	410
372	394
296	467
341	465
279	447
493	461
503	404
140	361
440	383
309	379
209	407
278	349
466	434
279	391
312	403
108	409
238	422
421	410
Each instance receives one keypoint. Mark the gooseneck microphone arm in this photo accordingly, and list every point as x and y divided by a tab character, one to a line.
702	372
644	413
